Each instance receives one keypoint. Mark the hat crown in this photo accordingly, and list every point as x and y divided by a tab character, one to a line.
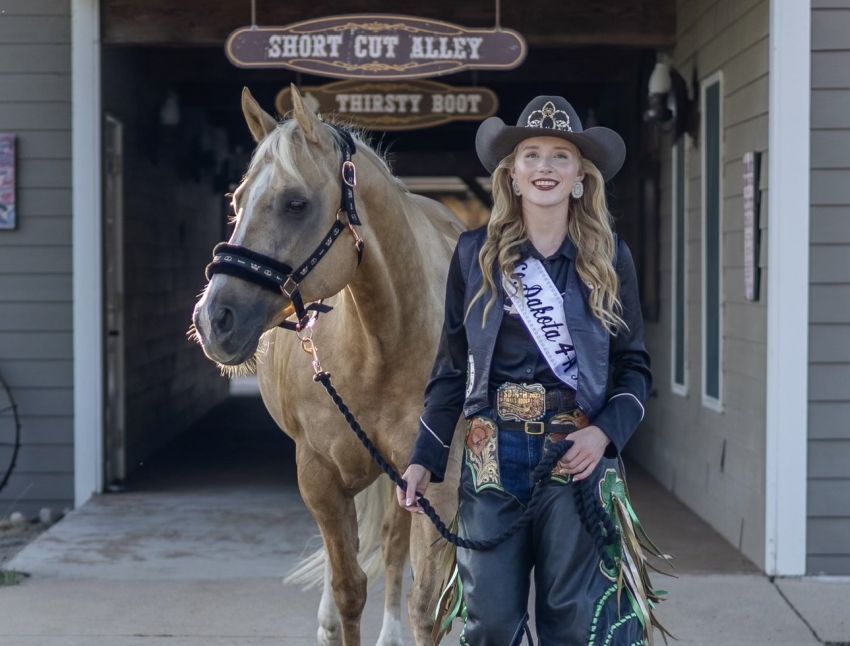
550	112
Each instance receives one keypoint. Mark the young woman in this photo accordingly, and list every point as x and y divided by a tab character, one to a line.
542	341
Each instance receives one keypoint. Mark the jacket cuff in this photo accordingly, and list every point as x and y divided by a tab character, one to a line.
431	452
618	420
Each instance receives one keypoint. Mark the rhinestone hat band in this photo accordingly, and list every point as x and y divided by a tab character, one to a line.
549	117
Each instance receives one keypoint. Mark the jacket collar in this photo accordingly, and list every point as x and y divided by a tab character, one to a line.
567	249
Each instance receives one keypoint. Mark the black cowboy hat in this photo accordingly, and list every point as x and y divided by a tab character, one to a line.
550	116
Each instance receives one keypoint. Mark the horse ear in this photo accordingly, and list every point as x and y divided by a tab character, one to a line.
305	117
260	122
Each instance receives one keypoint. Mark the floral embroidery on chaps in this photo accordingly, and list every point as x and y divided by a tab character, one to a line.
482	453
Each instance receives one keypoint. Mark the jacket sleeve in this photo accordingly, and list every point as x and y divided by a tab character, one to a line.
630	378
444	394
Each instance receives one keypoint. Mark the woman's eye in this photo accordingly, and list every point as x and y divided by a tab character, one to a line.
296	205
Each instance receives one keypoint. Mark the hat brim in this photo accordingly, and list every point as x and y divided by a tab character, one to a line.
604	147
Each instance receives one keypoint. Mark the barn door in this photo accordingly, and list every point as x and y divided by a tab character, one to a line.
113	212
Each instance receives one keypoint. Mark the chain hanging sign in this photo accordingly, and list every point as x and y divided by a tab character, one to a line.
375	46
395	105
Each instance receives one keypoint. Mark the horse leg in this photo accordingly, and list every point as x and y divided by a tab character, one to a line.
396	531
328	633
336	516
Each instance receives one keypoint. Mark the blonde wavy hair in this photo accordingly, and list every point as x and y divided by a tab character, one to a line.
589	226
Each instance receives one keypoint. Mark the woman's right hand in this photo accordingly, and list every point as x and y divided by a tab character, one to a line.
417	478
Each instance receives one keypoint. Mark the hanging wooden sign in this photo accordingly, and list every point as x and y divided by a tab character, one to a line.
395	105
375	46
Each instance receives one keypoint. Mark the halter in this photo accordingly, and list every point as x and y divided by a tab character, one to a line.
268	273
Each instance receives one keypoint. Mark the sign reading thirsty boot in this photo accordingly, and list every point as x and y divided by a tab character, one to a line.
375	46
404	105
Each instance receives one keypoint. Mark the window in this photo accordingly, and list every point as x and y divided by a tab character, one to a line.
679	297
711	100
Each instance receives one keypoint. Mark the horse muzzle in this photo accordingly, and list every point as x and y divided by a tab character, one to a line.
227	334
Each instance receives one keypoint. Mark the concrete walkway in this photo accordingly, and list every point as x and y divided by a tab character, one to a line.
194	553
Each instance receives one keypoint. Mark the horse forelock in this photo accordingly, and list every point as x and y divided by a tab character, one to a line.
289	150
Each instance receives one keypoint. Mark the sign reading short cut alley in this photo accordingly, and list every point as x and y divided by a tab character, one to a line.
375	46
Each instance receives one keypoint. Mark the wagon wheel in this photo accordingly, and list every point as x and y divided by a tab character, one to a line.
10	433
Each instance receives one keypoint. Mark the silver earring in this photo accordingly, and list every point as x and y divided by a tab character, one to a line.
578	190
516	188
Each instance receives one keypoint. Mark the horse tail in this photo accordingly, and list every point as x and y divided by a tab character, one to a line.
370	505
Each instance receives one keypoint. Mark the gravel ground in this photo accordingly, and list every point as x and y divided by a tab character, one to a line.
14	538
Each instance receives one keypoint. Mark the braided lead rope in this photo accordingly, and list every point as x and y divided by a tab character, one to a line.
541	474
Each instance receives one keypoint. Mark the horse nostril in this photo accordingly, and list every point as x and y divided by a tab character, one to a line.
222	322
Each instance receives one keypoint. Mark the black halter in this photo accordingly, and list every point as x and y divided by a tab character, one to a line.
278	277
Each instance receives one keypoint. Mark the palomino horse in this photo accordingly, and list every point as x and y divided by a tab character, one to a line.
378	343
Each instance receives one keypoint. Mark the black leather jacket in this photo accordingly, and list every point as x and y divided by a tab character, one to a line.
614	377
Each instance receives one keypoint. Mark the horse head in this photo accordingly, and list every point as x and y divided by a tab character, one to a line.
285	206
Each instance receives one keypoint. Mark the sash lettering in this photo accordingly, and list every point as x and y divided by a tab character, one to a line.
541	308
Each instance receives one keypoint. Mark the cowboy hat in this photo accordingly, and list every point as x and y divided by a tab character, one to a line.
550	116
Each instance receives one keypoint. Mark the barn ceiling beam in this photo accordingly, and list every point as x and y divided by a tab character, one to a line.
632	23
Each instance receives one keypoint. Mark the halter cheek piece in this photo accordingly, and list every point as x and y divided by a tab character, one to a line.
279	277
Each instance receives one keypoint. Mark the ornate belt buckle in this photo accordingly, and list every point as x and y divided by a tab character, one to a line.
521	402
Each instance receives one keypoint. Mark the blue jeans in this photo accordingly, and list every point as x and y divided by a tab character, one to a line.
519	453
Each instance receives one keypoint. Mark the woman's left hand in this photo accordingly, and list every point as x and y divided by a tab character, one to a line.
588	447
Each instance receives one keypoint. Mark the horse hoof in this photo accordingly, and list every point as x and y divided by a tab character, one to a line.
330	636
391	633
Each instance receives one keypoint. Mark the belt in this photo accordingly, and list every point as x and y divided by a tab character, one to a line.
530	402
538	428
558	399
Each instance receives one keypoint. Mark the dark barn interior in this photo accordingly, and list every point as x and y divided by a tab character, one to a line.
185	145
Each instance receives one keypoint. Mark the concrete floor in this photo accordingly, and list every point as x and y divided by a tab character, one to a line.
194	552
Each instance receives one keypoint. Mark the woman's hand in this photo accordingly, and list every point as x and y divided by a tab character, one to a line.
417	478
588	447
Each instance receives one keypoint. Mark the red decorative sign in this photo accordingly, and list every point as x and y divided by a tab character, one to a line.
8	219
375	46
395	105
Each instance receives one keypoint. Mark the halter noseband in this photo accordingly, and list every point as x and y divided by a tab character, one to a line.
279	277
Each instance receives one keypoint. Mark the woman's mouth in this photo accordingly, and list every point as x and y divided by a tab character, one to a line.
544	184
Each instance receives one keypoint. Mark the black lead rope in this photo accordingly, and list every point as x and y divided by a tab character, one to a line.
541	474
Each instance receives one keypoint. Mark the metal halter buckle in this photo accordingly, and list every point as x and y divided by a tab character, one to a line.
534	428
289	287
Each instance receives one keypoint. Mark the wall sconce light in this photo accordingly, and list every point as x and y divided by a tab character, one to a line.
669	106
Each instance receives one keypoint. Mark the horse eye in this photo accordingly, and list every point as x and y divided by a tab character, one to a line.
296	205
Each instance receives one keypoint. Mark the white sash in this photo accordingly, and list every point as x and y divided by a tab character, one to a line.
542	311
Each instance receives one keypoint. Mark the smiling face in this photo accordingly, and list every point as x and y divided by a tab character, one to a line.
546	168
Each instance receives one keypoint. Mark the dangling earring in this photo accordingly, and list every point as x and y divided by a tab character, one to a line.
578	190
516	188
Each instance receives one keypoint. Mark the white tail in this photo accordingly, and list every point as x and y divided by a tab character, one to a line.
371	504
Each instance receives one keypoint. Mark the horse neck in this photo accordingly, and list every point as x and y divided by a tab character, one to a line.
384	292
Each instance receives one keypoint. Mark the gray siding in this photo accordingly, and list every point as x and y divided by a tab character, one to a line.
35	260
828	531
714	461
